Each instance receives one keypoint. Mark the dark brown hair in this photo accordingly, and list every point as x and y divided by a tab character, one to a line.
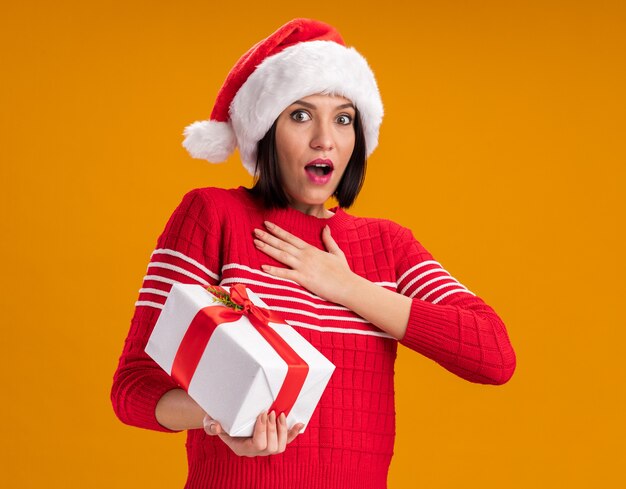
268	185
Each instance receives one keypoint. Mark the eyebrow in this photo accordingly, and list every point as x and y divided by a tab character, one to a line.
312	106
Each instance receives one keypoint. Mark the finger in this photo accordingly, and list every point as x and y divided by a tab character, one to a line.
259	436
279	255
281	432
211	427
293	432
281	272
278	243
272	433
285	235
330	244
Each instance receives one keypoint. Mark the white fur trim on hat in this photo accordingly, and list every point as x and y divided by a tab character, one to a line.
210	140
298	71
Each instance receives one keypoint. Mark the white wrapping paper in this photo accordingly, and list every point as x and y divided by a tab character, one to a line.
239	374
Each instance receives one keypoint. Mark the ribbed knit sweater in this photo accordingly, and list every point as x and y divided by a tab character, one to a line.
348	443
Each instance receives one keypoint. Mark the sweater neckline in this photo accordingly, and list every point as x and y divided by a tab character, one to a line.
298	222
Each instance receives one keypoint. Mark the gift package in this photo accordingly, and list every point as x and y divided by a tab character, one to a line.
236	358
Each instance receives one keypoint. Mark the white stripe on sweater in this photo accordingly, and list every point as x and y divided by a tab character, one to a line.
174	268
427	283
288	298
158	278
239	266
153	291
299	324
317	316
330	329
149	304
241	280
455	291
437	289
178	254
421	276
416	267
236	280
262	296
432	281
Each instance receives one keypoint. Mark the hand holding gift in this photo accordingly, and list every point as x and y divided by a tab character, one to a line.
236	359
270	435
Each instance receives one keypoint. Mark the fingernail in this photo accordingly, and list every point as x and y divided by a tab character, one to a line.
265	267
213	427
282	418
272	417
268	224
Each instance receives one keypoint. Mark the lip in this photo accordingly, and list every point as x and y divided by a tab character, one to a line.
319	179
321	161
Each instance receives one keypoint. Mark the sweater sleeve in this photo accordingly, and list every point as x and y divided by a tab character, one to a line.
448	323
184	254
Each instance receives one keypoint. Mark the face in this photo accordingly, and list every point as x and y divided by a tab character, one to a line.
314	142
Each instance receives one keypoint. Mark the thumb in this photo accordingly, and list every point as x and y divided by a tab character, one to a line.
330	244
293	432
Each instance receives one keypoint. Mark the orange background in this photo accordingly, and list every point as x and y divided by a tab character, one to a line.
502	148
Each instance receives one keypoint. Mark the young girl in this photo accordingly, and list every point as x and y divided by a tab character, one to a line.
304	111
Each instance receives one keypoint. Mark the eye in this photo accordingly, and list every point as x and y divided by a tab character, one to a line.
344	119
300	116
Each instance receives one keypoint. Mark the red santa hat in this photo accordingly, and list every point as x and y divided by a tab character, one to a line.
302	58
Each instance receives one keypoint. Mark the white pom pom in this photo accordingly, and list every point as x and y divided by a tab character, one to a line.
210	140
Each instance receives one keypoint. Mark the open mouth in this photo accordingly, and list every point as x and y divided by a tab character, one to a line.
319	168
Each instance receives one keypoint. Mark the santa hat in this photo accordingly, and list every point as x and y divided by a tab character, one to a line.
304	57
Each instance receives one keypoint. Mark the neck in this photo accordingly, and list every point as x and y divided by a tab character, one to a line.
316	210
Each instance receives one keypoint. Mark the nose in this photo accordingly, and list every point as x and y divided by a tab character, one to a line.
322	137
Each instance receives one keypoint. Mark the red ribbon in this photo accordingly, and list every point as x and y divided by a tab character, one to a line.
208	318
